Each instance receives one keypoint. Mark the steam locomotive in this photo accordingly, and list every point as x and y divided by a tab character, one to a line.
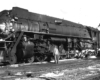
27	36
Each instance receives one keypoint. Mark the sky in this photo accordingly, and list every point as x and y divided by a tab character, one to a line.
86	12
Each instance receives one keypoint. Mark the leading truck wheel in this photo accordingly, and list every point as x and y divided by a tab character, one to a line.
13	59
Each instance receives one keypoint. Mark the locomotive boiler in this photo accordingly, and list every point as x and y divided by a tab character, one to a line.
27	36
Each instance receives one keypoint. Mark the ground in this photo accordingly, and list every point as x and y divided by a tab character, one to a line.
69	69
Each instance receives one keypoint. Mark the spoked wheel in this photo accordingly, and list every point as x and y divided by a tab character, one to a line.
31	60
41	58
13	59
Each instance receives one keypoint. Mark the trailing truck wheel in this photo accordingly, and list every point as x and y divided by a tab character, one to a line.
13	60
31	60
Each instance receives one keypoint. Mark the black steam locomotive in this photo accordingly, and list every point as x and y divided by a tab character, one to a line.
27	36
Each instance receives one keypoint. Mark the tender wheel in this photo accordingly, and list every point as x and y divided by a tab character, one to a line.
13	60
31	60
41	58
